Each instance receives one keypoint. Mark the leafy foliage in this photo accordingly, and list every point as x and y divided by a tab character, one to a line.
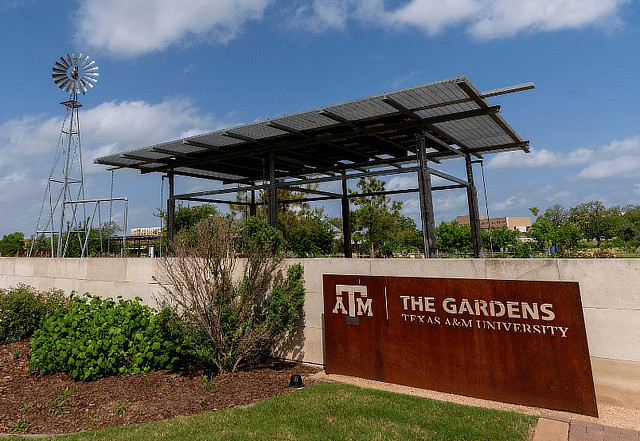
556	231
10	244
376	220
628	228
22	310
96	337
454	238
186	216
500	239
306	232
594	220
232	314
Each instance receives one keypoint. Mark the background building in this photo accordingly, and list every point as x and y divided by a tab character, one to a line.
519	223
146	231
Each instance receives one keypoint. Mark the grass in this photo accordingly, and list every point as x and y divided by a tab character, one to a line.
332	412
56	406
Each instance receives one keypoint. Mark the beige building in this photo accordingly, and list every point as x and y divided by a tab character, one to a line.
146	231
519	223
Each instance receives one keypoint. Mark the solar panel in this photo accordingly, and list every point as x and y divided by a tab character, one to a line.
374	130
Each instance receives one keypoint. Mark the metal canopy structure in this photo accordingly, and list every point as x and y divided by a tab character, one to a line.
386	134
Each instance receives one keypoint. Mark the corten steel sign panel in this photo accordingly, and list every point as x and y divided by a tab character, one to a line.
521	342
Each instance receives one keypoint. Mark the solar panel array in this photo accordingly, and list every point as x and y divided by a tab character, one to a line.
365	133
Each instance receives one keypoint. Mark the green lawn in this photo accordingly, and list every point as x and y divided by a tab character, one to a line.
333	411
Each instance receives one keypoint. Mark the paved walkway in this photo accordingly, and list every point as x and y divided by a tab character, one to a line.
575	430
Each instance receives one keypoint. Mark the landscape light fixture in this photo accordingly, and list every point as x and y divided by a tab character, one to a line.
296	381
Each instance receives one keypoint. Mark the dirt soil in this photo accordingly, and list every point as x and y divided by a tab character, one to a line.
57	404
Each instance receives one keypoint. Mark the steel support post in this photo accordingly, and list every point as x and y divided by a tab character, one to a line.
426	200
474	212
273	195
171	211
346	222
252	207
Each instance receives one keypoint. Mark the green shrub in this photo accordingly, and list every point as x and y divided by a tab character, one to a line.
96	337
23	308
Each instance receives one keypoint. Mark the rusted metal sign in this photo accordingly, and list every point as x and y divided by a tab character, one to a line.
521	342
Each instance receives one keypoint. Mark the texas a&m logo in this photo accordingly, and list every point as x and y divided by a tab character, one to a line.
357	302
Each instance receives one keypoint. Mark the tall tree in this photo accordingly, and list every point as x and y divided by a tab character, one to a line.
555	229
375	220
557	215
594	220
628	228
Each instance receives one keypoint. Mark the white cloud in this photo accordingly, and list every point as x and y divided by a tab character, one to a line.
433	16
403	80
503	205
28	144
402	182
539	158
451	204
11	181
411	208
505	18
324	15
483	19
562	195
619	159
134	27
625	166
107	128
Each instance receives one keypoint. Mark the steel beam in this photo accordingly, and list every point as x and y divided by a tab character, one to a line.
426	201
273	192
346	221
171	210
474	212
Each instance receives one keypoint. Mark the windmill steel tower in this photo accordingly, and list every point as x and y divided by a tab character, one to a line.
61	217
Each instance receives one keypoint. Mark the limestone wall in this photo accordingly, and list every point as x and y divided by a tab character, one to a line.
610	290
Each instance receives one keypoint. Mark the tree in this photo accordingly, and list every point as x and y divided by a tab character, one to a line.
376	219
306	231
594	220
235	308
10	244
454	238
557	215
555	229
186	216
499	238
628	228
406	238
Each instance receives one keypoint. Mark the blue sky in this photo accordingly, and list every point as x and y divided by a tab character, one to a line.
170	69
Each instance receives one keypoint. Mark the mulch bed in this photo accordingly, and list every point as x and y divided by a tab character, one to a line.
36	404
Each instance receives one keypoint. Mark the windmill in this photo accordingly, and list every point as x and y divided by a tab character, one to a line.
59	218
